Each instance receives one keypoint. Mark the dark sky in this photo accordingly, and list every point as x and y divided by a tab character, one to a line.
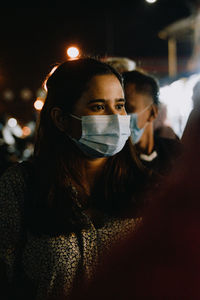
34	39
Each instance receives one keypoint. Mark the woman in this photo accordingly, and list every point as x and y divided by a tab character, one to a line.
61	211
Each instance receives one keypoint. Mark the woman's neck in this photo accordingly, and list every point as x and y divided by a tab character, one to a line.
94	166
93	170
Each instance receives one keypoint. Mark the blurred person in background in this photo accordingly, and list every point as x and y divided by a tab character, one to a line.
142	100
121	64
78	196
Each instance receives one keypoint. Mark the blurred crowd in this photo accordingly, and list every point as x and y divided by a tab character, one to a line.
14	145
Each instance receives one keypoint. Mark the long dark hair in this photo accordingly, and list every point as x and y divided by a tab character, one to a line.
60	193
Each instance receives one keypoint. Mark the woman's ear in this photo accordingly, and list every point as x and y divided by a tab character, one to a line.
154	113
58	118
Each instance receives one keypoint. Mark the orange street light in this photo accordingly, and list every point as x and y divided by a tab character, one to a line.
73	52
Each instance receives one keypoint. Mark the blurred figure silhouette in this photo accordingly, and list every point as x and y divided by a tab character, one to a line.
142	100
121	64
191	132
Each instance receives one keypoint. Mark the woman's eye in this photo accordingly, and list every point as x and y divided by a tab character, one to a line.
120	106
97	107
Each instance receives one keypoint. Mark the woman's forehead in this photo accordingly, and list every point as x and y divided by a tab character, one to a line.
103	87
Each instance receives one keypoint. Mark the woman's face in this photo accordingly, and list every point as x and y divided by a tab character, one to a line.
104	96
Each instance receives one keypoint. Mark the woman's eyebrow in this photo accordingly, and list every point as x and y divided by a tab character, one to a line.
121	100
103	100
96	100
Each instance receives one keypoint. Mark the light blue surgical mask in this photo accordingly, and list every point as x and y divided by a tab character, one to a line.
136	132
103	135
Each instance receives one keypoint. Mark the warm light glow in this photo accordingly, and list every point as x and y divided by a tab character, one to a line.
8	95
151	1
52	70
41	92
73	52
38	104
26	94
44	86
12	122
26	130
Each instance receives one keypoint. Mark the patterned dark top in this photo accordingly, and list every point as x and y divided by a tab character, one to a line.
51	264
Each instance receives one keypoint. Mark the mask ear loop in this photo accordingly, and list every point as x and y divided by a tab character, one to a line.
145	125
75	117
145	108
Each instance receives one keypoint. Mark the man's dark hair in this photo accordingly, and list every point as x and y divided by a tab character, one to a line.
144	83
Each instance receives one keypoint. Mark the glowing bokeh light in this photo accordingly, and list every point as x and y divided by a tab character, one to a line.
150	1
8	95
26	94
12	122
73	52
26	131
38	104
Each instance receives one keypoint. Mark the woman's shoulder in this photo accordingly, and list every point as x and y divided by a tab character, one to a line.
13	185
15	176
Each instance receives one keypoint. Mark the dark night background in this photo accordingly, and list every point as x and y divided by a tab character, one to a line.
34	39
